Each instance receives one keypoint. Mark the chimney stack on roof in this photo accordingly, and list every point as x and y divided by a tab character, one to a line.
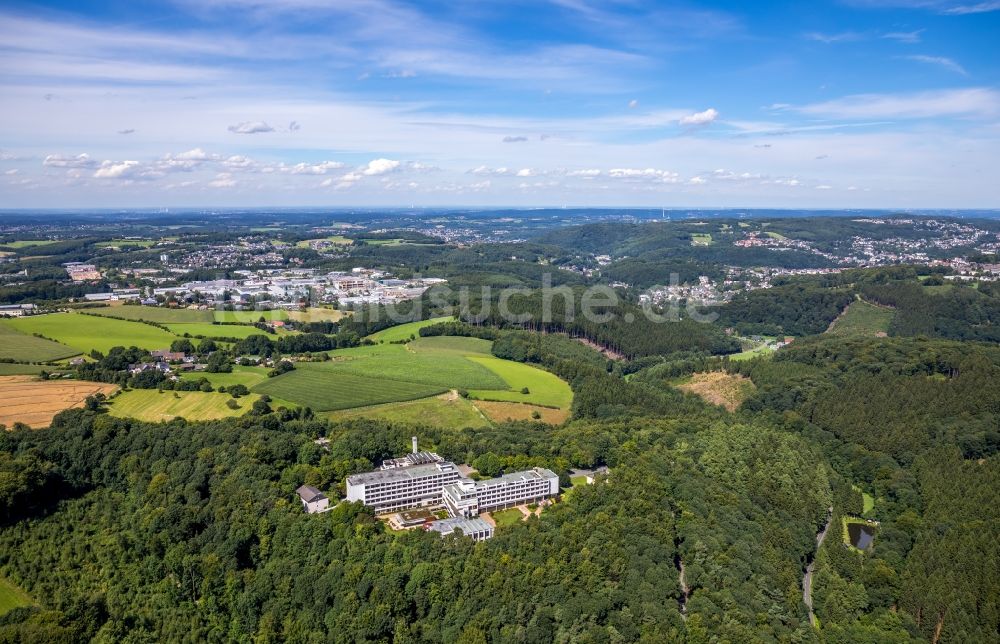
414	444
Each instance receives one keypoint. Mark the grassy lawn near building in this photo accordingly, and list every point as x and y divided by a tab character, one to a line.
446	410
11	596
506	518
153	406
86	332
16	343
329	390
701	239
404	331
158	314
544	388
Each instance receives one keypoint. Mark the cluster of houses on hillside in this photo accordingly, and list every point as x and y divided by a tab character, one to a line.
407	490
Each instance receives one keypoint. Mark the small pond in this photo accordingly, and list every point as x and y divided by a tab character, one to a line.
861	535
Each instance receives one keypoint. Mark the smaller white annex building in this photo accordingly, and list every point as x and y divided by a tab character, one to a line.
476	529
313	500
467	498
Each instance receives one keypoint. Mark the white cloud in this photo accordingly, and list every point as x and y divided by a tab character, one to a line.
117	169
847	36
514	139
222	180
587	173
824	187
315	168
697	181
294	126
646	174
700	118
60	161
633	104
380	166
908	37
976	101
250	127
525	172
940	61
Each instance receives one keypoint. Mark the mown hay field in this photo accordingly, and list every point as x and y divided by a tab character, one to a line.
446	410
405	331
34	402
154	406
544	388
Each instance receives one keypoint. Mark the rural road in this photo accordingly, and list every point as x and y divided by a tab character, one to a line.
807	578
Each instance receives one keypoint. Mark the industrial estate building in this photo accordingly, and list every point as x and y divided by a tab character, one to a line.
424	479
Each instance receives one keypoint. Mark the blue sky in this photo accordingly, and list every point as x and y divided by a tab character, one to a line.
856	103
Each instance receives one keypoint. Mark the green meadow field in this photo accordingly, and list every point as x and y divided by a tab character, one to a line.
326	391
86	332
153	406
544	388
16	343
446	369
154	314
404	331
396	382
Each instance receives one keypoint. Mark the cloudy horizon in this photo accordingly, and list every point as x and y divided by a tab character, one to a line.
864	103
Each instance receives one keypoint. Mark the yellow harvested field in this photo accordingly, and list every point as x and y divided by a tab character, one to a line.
503	411
317	314
720	388
34	402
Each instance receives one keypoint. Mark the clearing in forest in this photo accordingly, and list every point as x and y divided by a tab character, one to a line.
862	318
500	412
34	402
11	596
720	388
408	331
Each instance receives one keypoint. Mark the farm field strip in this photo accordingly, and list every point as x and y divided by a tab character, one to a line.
327	391
216	330
246	376
35	402
446	410
153	406
451	343
248	317
442	369
19	345
86	332
156	314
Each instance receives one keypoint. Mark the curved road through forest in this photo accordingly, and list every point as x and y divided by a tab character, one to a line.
807	578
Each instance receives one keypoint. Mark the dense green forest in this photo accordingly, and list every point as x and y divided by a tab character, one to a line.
704	529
